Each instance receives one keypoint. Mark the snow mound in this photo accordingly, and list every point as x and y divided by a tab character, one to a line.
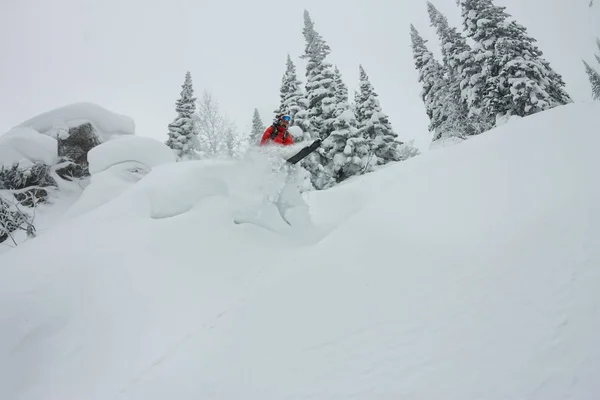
107	185
117	165
469	272
26	146
57	122
147	151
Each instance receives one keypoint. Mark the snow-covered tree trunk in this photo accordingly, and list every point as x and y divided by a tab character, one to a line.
182	133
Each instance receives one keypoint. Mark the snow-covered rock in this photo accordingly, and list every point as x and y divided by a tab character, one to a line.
80	127
57	122
147	151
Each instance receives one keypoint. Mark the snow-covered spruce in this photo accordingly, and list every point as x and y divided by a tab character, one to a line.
320	96
183	137
594	78
512	77
374	125
434	91
346	146
593	74
458	68
320	89
293	101
258	128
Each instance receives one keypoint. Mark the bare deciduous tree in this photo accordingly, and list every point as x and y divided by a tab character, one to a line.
217	134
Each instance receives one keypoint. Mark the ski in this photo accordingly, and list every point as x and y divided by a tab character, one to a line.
304	152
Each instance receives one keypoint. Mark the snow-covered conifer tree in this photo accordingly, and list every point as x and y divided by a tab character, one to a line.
258	128
514	78
374	125
594	77
458	65
293	99
435	93
593	74
320	90
346	147
182	133
320	95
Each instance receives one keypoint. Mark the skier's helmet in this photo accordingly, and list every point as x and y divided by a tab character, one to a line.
284	119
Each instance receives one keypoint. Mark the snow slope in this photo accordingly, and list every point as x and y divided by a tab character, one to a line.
470	272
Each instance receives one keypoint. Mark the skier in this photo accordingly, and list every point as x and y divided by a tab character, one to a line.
278	132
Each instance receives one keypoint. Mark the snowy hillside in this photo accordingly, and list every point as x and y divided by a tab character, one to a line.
469	272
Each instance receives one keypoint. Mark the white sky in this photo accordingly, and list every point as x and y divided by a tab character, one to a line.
130	56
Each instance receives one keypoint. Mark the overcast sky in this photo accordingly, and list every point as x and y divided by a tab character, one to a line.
130	56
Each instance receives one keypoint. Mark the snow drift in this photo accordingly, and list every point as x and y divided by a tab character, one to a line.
147	151
468	272
25	146
117	165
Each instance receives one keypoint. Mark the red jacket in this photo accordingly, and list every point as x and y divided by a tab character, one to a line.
279	139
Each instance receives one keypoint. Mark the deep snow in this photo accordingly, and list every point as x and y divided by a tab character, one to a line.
469	272
26	146
57	122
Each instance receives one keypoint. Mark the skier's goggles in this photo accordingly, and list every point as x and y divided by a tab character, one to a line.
286	118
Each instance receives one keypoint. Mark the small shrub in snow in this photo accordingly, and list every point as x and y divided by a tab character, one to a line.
17	177
12	219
